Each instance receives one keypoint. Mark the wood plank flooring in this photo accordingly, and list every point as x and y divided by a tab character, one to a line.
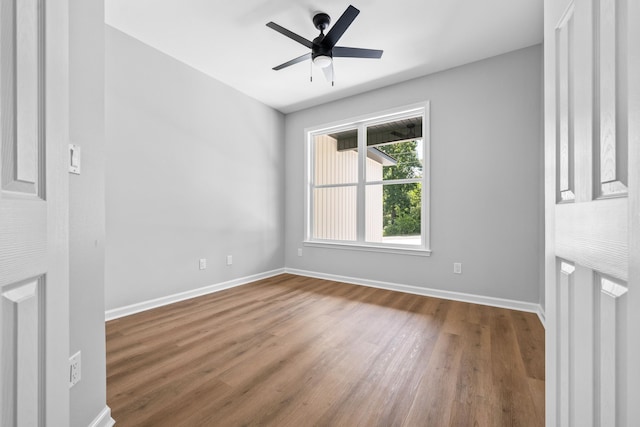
297	351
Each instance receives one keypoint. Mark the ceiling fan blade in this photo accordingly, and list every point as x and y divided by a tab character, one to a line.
290	34
340	27
293	61
328	73
354	52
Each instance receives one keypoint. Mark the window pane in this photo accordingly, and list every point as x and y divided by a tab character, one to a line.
394	150
397	130
396	160
336	158
334	213
393	214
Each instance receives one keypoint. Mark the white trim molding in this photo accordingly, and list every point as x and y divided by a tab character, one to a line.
428	292
363	246
170	299
611	288
542	316
103	419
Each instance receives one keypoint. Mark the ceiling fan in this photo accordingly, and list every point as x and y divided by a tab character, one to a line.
411	132
323	48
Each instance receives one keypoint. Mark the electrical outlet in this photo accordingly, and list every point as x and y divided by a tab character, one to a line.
229	259
457	267
75	369
299	251
203	263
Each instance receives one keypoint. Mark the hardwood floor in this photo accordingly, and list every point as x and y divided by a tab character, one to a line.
296	351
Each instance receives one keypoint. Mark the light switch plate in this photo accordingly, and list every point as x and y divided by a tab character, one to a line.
74	159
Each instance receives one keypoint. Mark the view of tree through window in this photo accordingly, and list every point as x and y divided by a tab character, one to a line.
402	203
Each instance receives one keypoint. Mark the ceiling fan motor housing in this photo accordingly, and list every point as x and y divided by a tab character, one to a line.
318	49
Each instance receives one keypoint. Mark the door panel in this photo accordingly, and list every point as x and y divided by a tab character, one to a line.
610	97
21	73
587	211
564	121
27	71
582	344
566	326
22	337
612	325
33	214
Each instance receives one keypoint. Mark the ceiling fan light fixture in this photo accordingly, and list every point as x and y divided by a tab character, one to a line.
322	61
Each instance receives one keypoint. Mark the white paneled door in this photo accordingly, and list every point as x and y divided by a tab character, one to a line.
592	133
34	325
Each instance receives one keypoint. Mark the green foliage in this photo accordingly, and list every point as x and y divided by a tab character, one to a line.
408	165
402	202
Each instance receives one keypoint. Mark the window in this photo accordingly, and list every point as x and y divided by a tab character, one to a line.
367	183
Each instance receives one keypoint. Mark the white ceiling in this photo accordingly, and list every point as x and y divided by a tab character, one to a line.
229	40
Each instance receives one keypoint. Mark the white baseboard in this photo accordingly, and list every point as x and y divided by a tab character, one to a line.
170	299
541	315
429	292
417	290
103	419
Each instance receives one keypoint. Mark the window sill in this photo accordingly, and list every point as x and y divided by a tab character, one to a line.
369	248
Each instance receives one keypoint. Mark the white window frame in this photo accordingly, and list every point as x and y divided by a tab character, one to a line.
361	123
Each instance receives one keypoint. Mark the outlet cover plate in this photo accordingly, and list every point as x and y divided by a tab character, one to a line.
75	369
457	267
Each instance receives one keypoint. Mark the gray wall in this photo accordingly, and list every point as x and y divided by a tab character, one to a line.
86	208
486	178
195	170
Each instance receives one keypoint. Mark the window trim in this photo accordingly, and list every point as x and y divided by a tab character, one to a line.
360	123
